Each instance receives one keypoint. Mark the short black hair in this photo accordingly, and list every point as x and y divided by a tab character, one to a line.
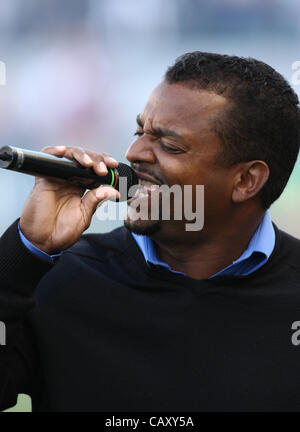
262	119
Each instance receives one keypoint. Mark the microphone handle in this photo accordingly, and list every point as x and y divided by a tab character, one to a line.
43	164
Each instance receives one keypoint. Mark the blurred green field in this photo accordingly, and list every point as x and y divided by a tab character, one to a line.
23	404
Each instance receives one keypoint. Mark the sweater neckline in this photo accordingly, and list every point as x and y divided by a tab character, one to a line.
180	279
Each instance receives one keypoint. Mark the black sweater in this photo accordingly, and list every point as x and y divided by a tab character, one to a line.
101	331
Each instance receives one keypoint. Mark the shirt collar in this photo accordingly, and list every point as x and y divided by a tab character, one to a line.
259	249
263	240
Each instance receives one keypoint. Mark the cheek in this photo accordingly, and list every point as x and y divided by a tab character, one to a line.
217	192
172	171
178	170
184	171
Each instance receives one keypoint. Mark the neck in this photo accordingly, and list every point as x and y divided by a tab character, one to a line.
202	256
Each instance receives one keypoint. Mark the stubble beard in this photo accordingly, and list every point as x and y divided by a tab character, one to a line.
142	227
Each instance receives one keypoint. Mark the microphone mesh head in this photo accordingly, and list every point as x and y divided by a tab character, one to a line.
132	179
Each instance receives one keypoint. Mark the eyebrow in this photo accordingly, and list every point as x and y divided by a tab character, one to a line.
160	131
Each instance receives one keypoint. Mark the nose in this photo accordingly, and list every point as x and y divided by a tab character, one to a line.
140	150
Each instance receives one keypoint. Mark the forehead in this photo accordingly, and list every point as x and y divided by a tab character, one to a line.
182	108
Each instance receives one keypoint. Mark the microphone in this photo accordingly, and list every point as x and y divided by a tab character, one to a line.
43	164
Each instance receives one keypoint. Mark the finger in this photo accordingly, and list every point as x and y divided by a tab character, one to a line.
107	192
99	162
99	167
80	155
102	162
94	161
93	198
91	160
77	153
58	151
109	161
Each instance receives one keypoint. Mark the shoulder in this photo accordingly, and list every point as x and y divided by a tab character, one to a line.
289	248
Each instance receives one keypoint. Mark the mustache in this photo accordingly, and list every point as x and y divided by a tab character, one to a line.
141	169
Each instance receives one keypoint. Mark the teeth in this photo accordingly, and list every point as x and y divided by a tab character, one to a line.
144	185
140	193
147	183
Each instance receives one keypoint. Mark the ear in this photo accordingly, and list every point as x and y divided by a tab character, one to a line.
249	179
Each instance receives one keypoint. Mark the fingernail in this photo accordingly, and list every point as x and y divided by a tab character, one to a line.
87	159
102	167
61	148
112	159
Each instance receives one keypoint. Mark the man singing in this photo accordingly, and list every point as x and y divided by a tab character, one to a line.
152	316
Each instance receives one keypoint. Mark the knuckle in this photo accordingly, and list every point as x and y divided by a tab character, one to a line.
80	150
72	151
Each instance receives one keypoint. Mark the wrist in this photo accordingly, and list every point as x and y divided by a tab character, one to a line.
46	249
37	248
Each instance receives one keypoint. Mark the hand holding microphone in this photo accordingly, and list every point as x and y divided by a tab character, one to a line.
43	164
56	212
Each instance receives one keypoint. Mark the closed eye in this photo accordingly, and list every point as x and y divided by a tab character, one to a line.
165	147
169	149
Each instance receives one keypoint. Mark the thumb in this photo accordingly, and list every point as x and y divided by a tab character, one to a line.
94	197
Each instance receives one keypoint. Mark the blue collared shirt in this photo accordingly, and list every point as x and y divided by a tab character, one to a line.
256	255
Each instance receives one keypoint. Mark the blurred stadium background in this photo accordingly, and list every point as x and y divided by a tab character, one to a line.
79	71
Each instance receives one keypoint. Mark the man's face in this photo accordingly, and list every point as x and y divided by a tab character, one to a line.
176	144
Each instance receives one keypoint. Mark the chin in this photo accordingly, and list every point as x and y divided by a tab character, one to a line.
141	223
142	227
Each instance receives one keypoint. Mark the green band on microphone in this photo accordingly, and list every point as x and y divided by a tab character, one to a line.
112	177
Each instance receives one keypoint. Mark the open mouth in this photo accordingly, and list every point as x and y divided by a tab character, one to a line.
144	189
